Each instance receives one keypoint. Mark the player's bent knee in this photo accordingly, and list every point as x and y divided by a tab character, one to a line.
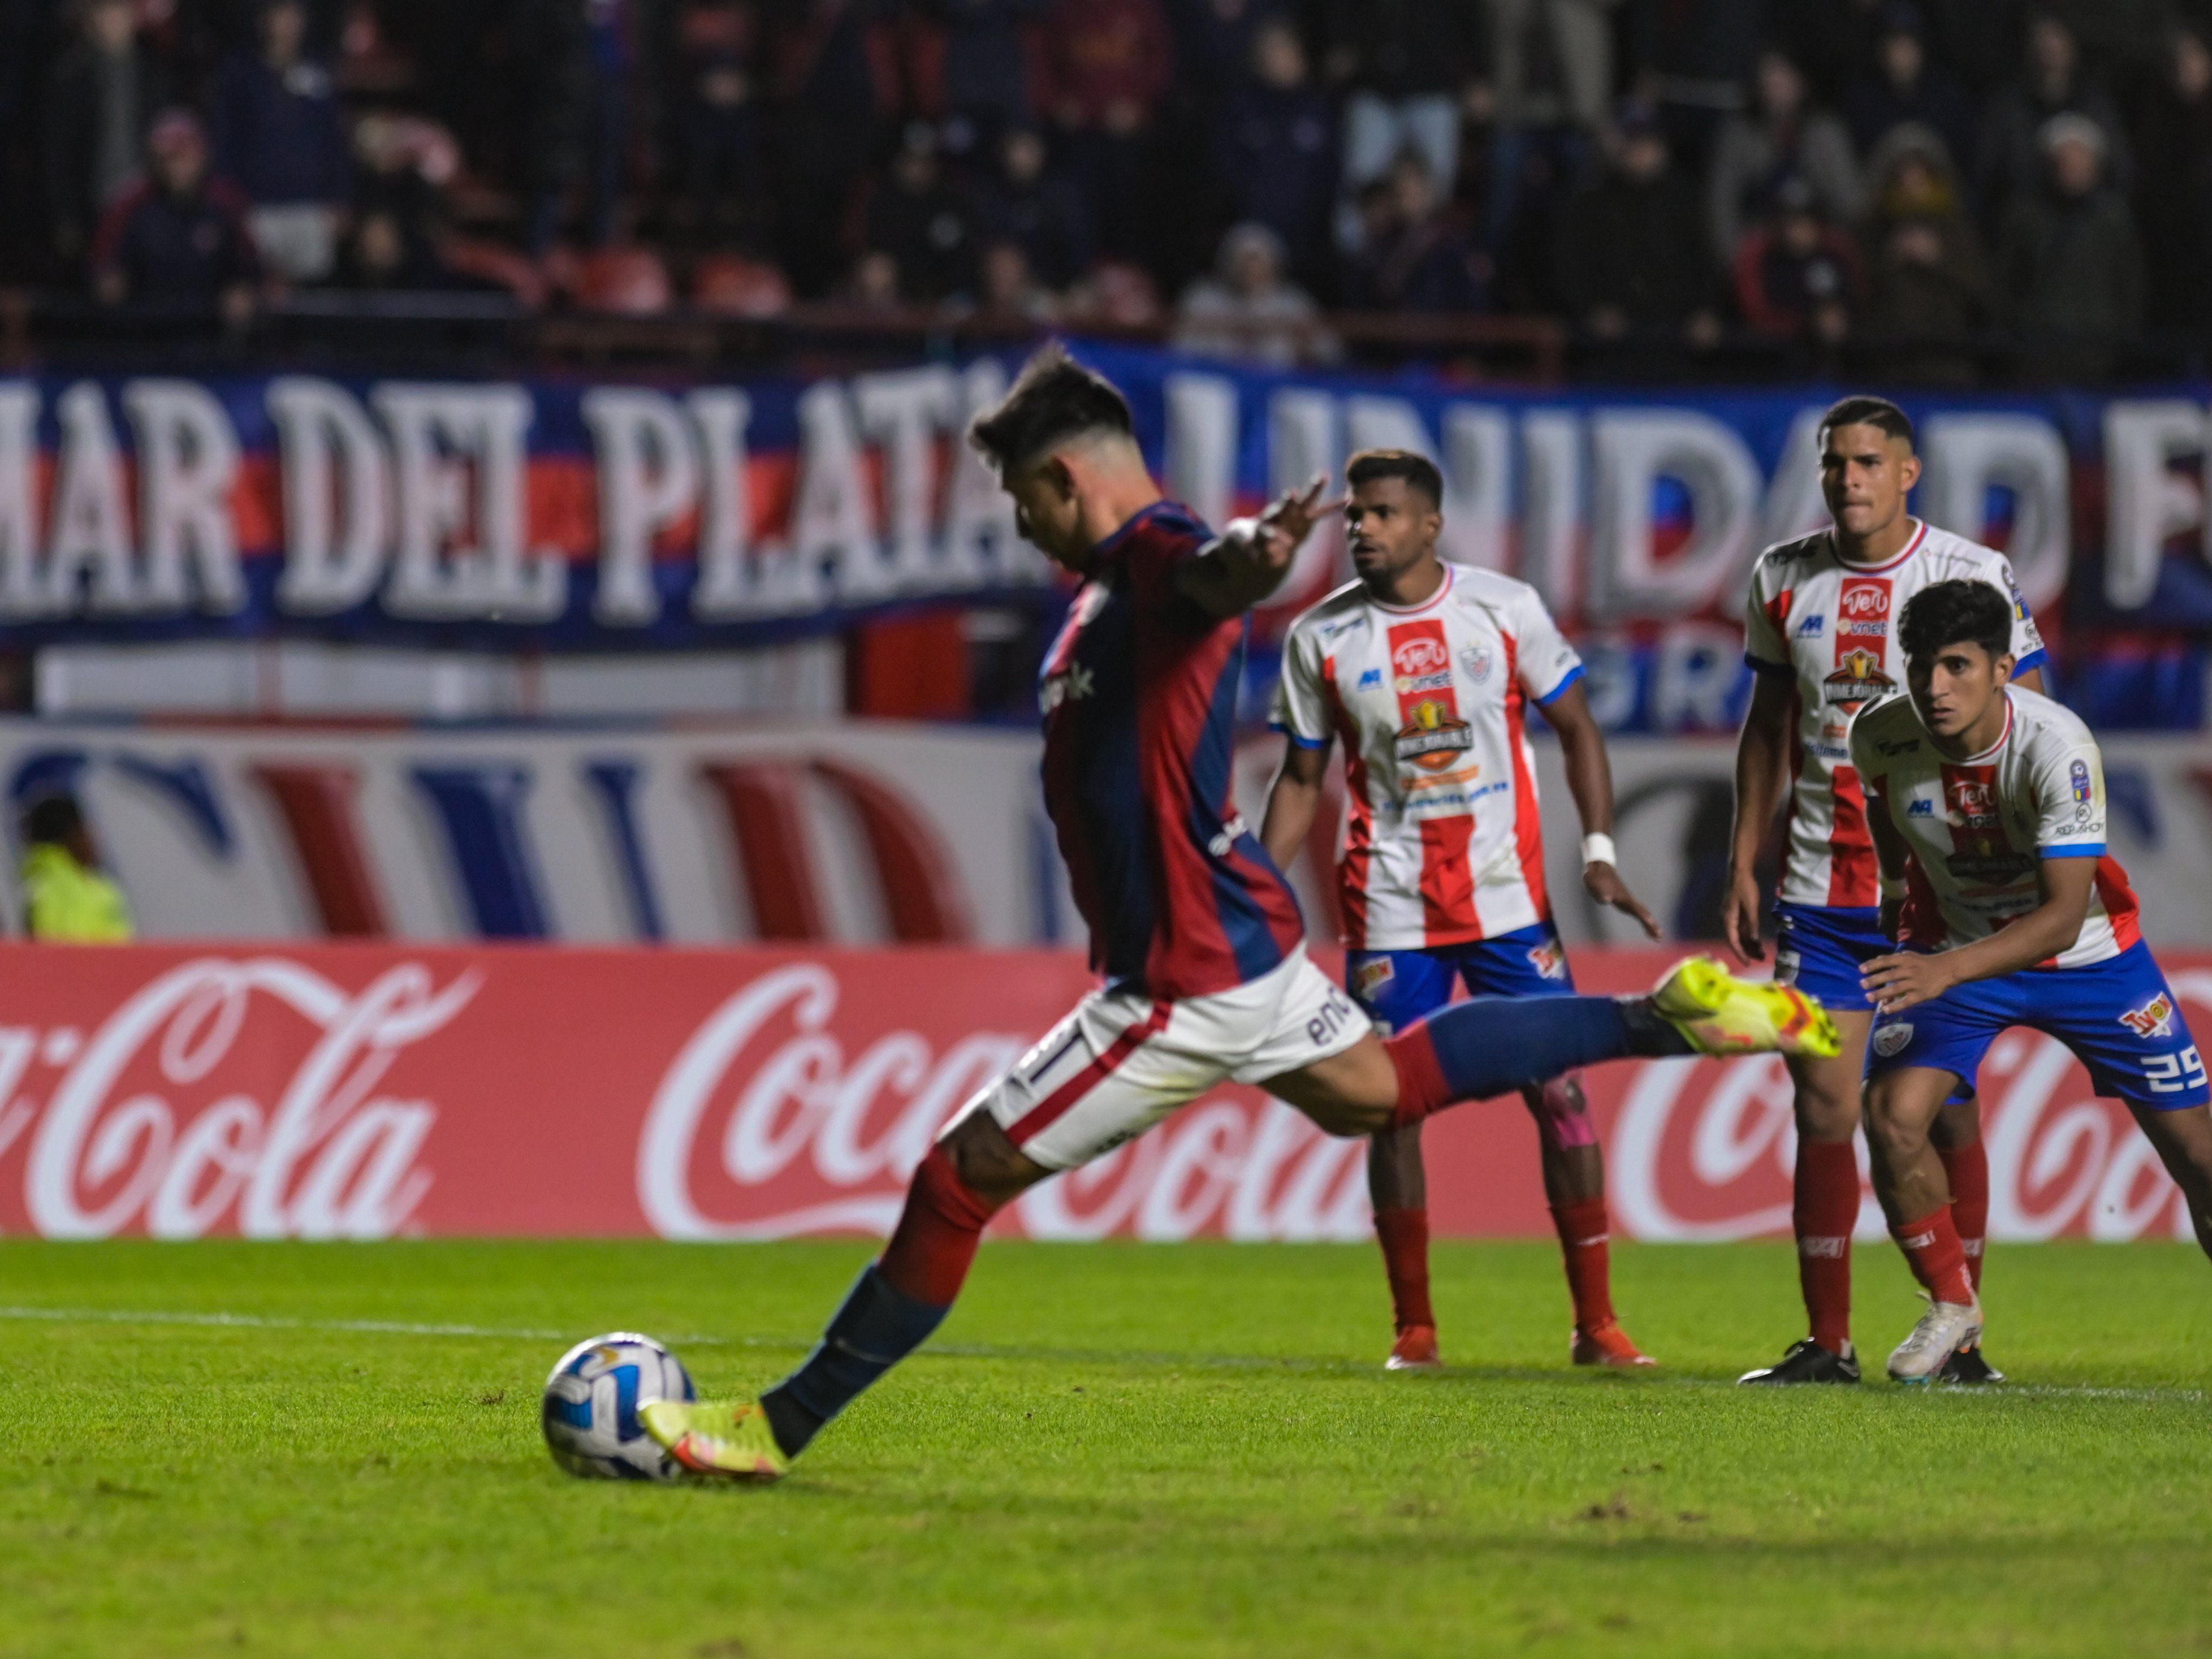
986	1160
1562	1113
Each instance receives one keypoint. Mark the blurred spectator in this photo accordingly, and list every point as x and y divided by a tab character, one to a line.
277	138
402	164
583	87
1007	292
1781	136
1797	274
987	62
872	283
826	108
1274	147
1038	209
718	118
1692	58
1632	257
1412	257
179	242
1904	85
2052	82
1930	287
2069	263
382	254
1410	65
1213	42
1107	64
2173	198
1248	310
67	897
101	96
919	219
1551	62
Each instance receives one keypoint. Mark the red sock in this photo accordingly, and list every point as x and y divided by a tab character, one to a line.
1968	1169
937	1235
1825	1210
1939	1261
1583	1229
1421	1086
1404	1235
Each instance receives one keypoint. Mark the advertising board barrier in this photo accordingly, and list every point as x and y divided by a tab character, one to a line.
375	1091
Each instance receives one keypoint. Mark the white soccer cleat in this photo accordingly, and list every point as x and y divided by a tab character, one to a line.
1945	1328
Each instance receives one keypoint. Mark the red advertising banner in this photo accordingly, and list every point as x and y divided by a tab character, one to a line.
370	1091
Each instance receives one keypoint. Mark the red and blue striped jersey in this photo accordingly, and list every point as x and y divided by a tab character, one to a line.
1139	693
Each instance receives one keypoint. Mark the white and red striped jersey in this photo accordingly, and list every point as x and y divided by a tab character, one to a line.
1831	626
1978	828
1443	845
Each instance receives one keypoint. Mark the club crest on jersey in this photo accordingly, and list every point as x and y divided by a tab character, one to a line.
2077	779
1433	735
1548	961
1889	1041
1475	660
1858	679
2153	1019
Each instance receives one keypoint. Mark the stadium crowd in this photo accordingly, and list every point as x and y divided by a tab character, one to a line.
1804	170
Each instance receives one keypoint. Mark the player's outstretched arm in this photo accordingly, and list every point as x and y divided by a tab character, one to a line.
1248	560
1590	781
1897	982
1293	801
1758	757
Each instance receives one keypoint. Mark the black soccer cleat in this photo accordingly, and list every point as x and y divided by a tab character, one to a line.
1969	1370
1808	1362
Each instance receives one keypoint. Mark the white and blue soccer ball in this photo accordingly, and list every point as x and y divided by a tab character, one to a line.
591	1403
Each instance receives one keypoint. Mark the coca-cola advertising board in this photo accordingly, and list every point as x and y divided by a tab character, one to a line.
374	1091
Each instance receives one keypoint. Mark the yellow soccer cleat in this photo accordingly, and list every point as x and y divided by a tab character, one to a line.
1721	1014
726	1438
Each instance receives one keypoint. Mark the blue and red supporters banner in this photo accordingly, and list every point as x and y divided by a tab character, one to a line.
657	511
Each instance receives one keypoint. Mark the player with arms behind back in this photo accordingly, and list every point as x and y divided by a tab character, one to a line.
1819	632
1987	805
1192	927
1424	669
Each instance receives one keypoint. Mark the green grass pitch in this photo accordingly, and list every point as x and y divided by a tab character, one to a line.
1111	1449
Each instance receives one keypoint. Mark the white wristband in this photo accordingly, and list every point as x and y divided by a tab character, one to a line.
1599	849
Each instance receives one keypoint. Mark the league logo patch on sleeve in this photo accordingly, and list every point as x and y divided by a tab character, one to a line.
1889	1041
2077	776
2153	1019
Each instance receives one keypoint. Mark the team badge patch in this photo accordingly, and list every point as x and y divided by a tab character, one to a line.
2077	777
1476	659
1787	961
1890	1040
2153	1019
1548	961
1371	975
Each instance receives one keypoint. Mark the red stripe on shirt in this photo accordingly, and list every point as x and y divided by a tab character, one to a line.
1527	818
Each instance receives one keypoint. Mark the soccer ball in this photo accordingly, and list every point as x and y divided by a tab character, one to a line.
591	1401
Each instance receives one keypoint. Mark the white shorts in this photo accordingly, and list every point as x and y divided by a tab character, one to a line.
1120	1063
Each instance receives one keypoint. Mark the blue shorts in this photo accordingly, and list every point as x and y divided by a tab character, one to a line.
1822	947
1397	987
2119	1016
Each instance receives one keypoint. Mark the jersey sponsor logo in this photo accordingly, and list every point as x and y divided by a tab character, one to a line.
1476	660
1230	833
1973	800
1423	653
2077	779
1410	684
1072	686
1858	679
1863	599
1898	747
1889	1041
1988	860
1370	680
1433	736
1812	626
2153	1019
1548	960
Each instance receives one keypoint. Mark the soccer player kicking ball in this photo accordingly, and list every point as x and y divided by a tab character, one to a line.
1818	633
1191	926
1987	804
1425	670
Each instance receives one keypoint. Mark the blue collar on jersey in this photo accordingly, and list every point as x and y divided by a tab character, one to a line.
1172	515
